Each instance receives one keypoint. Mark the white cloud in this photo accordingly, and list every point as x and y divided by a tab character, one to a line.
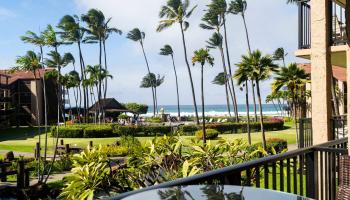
271	24
6	13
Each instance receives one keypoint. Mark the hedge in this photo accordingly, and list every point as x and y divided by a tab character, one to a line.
234	127
83	131
209	134
141	130
278	144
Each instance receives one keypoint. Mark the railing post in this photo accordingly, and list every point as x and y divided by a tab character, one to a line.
312	174
37	151
67	149
301	133
3	173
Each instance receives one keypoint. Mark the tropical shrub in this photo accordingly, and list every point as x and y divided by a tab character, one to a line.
154	119
123	116
210	134
89	175
274	144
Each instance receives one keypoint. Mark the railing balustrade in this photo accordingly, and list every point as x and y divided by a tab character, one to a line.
310	172
337	24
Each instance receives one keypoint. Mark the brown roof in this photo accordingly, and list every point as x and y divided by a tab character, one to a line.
109	105
339	73
22	75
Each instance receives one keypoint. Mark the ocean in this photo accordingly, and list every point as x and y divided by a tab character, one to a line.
214	110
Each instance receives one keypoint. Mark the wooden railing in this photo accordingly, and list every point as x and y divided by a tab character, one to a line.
310	172
21	171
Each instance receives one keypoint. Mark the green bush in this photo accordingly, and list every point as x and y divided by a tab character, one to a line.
137	108
210	134
154	119
68	132
188	129
98	131
141	130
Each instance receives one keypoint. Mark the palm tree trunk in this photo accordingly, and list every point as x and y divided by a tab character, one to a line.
156	98
261	115
274	105
294	102
226	82
100	81
233	96
254	100
106	68
246	33
38	124
203	111
189	73
149	72
45	108
83	77
247	109
177	88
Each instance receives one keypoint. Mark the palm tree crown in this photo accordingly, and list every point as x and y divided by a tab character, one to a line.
291	77
220	79
136	35
238	7
175	11
166	50
29	62
202	56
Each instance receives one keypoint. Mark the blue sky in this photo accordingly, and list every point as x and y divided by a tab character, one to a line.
271	24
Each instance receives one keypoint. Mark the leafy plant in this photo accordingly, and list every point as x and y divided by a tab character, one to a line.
210	134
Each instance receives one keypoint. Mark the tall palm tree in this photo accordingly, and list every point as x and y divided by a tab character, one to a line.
73	32
220	9
167	50
31	62
280	54
177	11
74	82
151	80
239	7
39	40
95	21
202	56
242	76
107	31
137	35
215	42
56	60
261	68
294	78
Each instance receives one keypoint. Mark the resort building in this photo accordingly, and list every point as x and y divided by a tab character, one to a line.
323	41
339	81
20	91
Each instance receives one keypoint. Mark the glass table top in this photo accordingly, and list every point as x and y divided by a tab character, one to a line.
213	192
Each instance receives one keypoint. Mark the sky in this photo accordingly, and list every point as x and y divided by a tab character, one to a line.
271	24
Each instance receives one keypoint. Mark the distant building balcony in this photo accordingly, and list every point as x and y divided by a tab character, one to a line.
336	24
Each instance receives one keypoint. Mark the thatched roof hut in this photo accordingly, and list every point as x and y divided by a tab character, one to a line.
109	105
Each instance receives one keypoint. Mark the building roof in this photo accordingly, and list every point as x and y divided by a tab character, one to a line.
22	75
109	105
339	73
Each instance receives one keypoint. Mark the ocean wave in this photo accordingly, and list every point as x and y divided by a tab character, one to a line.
214	114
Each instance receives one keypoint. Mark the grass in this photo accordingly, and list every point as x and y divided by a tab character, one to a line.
24	139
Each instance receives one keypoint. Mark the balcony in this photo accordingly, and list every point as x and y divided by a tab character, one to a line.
336	21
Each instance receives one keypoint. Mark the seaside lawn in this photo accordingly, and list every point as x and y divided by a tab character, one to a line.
24	139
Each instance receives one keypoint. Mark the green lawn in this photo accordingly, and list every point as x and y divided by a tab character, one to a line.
24	139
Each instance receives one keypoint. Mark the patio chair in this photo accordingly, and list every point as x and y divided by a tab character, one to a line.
344	176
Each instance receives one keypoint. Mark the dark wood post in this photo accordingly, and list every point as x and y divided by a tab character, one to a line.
311	174
91	143
20	174
61	142
301	133
3	172
37	151
67	149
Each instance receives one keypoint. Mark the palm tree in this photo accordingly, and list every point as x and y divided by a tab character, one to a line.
177	11
242	76
31	62
74	32
74	82
152	81
168	51
215	42
202	57
239	7
220	9
137	35
58	61
38	40
107	31
95	21
280	54
261	68
294	78
220	79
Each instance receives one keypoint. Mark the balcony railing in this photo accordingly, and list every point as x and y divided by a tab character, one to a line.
336	24
312	172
